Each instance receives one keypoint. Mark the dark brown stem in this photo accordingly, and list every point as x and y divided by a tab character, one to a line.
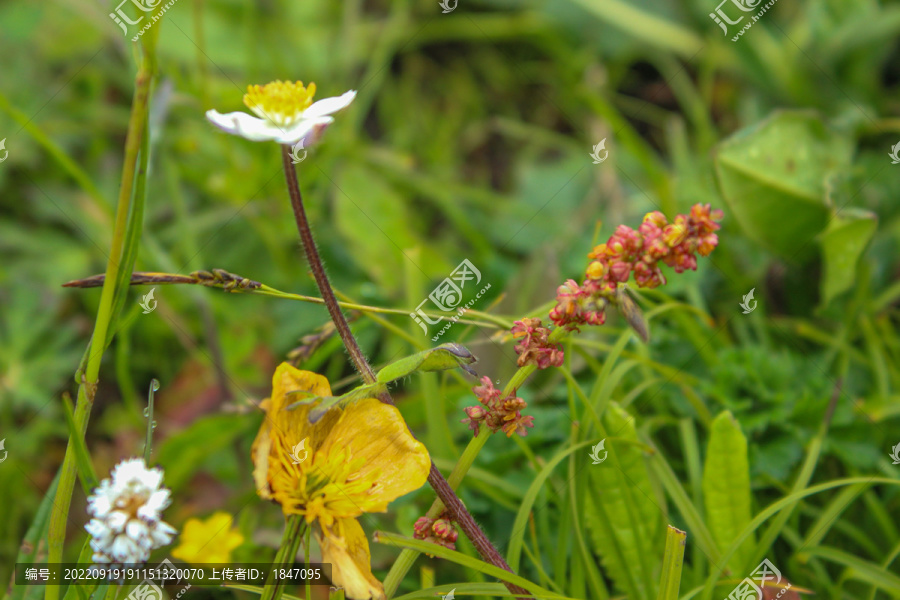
443	490
315	263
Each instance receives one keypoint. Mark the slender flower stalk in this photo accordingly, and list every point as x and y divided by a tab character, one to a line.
231	282
445	493
406	559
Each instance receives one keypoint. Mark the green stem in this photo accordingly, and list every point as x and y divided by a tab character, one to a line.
405	562
294	531
105	314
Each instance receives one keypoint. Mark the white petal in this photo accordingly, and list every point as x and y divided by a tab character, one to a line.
99	505
154	505
245	125
117	520
327	106
136	529
308	130
162	534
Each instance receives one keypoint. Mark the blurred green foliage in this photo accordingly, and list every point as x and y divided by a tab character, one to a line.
470	139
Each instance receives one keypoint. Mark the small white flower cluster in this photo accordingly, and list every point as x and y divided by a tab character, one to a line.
127	514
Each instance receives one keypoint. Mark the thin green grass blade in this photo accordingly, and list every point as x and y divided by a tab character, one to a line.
392	539
859	569
516	540
673	560
785	503
85	469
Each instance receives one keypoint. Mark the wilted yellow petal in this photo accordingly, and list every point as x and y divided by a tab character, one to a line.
346	548
377	437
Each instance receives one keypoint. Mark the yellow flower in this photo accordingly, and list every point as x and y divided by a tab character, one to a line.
209	541
359	459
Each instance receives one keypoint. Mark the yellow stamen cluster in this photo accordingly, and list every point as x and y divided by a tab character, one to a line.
326	488
281	102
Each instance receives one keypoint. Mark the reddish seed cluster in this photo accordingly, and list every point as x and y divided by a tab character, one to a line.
498	414
638	251
535	347
437	531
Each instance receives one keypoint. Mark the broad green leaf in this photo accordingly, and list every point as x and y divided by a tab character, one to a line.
843	242
772	175
726	488
673	560
622	516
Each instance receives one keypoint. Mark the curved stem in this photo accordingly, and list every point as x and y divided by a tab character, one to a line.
443	490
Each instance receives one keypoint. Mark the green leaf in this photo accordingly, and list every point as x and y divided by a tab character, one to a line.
82	457
621	513
392	539
843	242
859	569
673	560
443	357
772	175
726	488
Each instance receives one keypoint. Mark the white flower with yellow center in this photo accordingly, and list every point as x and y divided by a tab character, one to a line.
127	514
286	113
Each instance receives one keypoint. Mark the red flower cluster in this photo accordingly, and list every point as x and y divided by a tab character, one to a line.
497	413
535	347
439	531
628	251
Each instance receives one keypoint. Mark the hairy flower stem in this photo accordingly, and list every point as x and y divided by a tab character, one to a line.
443	490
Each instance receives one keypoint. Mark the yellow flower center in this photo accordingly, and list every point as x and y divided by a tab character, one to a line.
281	102
326	488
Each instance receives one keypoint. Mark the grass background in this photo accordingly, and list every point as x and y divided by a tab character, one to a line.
470	139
